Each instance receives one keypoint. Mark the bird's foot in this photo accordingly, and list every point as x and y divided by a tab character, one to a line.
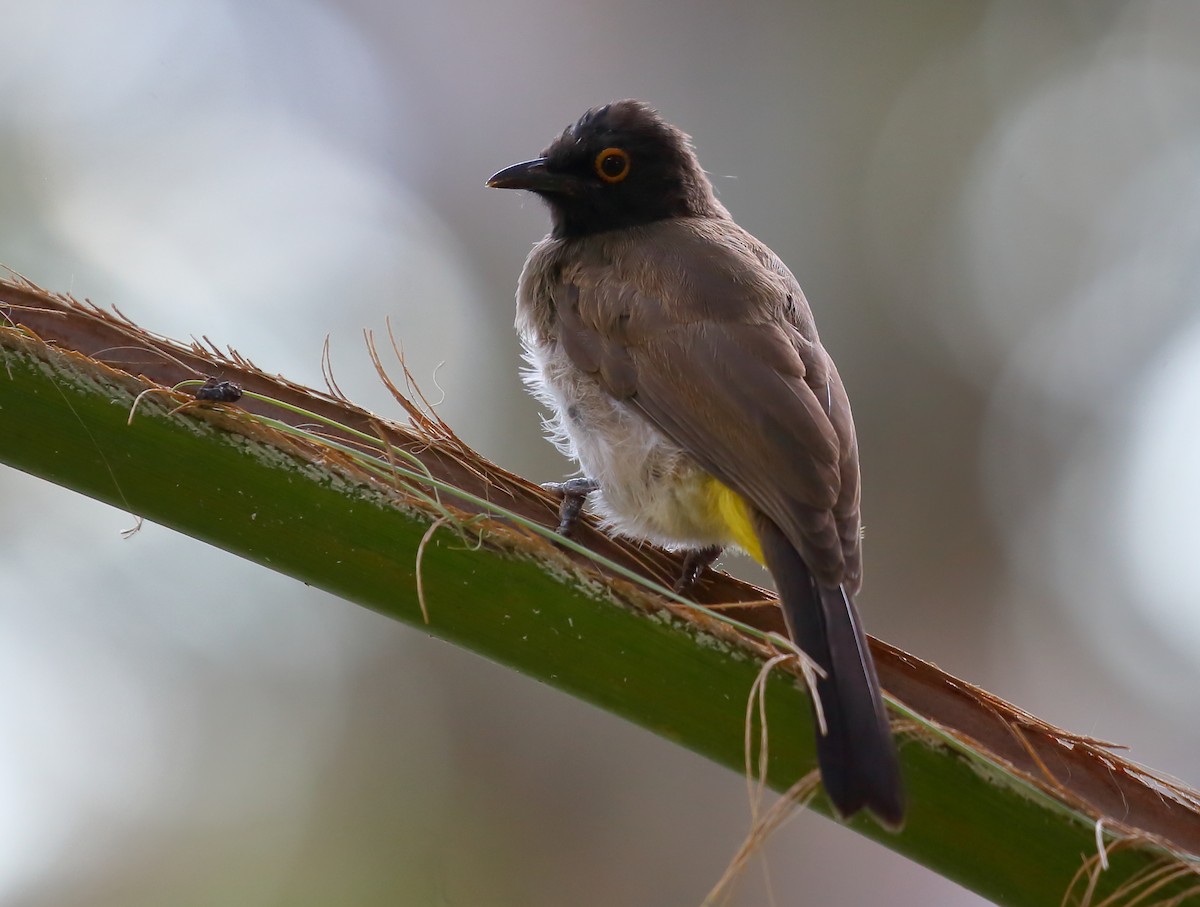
694	563
573	493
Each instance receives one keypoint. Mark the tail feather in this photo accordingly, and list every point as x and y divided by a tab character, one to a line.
857	754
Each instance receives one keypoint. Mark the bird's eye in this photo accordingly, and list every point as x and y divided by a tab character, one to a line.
612	165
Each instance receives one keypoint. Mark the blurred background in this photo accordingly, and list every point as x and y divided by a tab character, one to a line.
994	209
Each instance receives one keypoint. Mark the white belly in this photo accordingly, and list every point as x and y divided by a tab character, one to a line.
649	488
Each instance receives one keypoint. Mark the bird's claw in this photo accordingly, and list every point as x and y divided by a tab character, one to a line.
574	493
695	561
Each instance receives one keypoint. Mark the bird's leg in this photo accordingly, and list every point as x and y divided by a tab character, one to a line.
573	493
694	563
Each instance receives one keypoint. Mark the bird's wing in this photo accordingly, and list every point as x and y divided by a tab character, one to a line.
753	400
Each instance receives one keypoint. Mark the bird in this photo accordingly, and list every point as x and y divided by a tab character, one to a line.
681	369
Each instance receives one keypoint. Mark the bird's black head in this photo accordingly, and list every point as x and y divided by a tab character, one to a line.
620	165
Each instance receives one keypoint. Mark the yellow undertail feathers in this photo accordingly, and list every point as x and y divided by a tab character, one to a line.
735	514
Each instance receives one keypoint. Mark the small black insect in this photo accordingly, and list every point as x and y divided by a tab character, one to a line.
217	391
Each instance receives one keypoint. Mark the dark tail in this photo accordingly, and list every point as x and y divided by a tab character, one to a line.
857	754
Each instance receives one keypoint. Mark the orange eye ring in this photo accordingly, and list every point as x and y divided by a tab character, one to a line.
612	165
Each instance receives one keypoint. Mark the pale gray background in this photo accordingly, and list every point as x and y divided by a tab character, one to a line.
995	211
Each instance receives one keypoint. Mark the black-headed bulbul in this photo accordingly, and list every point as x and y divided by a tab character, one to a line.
683	372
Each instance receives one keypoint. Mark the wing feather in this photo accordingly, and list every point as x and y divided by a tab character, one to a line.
737	396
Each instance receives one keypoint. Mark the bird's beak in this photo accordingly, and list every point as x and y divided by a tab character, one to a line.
531	175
